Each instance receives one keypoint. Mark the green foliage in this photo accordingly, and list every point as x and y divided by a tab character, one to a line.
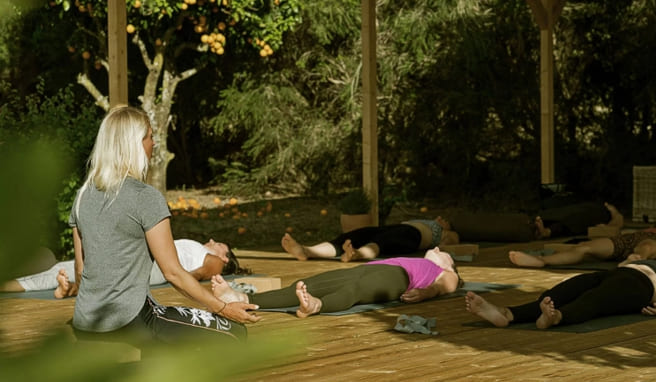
284	141
355	202
68	129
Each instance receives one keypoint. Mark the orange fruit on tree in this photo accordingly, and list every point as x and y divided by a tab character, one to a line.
233	201
287	214
217	201
423	209
137	4
86	55
324	212
289	229
241	230
130	28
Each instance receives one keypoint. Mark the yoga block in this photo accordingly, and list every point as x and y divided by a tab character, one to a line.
558	247
603	231
262	284
460	249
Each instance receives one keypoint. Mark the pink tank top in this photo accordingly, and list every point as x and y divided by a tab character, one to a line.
421	272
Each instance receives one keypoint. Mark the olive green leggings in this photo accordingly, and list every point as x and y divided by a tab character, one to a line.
340	289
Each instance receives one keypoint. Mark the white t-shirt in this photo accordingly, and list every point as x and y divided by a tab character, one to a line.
190	253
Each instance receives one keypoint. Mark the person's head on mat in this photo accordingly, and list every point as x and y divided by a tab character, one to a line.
445	261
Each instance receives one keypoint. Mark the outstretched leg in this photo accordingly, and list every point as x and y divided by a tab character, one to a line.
221	290
496	315
64	285
308	304
368	251
550	315
523	259
322	250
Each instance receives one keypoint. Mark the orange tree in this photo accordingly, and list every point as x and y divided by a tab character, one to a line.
175	39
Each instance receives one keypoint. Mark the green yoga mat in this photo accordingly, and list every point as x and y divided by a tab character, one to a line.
585	327
48	294
587	265
469	286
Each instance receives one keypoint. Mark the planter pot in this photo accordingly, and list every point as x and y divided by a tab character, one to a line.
351	222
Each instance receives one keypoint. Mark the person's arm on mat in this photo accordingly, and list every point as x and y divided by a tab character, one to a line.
79	262
446	282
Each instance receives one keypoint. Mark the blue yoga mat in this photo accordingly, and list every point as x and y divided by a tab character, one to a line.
584	327
49	293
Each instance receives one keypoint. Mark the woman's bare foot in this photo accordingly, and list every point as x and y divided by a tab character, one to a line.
525	260
540	231
479	306
349	252
64	285
221	290
616	218
292	247
308	304
550	315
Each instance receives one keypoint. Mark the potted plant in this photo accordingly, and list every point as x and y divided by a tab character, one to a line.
355	207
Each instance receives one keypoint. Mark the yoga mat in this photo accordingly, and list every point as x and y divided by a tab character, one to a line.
48	294
587	265
584	327
469	286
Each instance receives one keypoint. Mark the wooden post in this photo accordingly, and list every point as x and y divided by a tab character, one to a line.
369	122
117	51
546	13
546	106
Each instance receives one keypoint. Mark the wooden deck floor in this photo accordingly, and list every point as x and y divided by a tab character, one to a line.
364	346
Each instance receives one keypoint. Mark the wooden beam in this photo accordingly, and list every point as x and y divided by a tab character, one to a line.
546	106
546	12
369	119
117	50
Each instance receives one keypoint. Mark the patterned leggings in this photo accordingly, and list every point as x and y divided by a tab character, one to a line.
591	295
340	289
171	325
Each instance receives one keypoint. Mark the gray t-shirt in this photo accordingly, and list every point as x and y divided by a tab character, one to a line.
117	261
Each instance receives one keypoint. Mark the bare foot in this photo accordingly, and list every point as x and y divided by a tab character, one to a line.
525	260
221	290
292	247
540	231
64	285
550	315
349	252
494	314
309	304
616	218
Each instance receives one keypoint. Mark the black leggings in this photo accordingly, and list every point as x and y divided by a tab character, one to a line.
340	289
591	295
396	239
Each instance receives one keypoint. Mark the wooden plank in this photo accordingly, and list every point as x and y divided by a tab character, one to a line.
117	52
364	346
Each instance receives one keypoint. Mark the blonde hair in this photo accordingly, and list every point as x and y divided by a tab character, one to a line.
118	152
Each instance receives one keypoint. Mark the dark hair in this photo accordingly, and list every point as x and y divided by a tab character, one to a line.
232	267
461	282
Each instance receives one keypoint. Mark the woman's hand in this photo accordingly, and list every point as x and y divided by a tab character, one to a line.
238	311
414	295
649	310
